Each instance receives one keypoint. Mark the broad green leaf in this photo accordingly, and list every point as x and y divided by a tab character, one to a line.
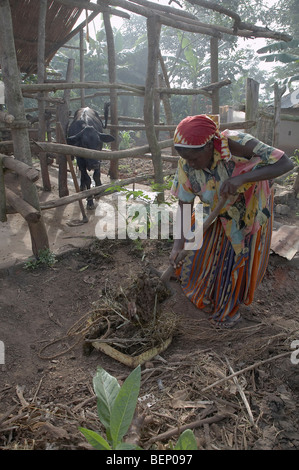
124	406
97	441
282	57
186	441
279	46
106	388
189	54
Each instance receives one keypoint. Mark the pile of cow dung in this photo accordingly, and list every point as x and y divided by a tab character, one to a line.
132	320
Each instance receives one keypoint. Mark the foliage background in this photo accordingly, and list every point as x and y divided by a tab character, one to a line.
187	57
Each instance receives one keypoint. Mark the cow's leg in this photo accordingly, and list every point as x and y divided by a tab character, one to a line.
82	168
97	177
90	204
85	181
86	184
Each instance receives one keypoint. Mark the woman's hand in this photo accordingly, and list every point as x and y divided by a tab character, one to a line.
267	172
178	246
230	186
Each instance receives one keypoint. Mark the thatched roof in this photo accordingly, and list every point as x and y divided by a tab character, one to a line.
60	21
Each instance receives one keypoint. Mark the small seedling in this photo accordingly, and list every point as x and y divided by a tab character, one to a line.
45	258
116	407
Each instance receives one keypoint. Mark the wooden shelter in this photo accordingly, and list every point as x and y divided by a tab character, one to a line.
30	37
60	21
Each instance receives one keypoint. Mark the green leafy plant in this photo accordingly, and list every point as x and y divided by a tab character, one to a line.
116	407
45	258
186	441
126	140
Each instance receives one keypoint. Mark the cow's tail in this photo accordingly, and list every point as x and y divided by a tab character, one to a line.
106	113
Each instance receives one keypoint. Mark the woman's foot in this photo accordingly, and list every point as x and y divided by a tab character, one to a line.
228	322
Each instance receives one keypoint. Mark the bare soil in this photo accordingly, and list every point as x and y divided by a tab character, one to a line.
46	389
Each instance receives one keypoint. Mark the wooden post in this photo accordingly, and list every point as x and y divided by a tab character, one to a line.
82	70
59	132
252	103
153	34
157	98
277	110
41	41
113	170
63	118
20	136
214	74
3	217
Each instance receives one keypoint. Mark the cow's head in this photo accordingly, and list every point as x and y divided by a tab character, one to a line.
89	138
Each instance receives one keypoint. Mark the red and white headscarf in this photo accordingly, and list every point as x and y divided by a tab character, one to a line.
196	131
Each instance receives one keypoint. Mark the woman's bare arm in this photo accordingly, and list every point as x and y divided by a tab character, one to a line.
267	172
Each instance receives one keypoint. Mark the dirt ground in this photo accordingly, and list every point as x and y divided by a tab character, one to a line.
46	389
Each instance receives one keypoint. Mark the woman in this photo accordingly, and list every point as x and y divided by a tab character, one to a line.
230	264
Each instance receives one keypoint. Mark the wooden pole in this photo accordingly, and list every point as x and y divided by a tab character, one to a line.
153	35
214	73
113	170
252	103
82	70
3	217
29	213
71	167
20	168
41	41
277	111
20	136
63	118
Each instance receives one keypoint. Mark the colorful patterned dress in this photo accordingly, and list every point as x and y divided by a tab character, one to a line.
225	271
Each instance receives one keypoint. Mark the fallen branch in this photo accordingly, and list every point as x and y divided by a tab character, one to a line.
253	366
242	394
194	424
